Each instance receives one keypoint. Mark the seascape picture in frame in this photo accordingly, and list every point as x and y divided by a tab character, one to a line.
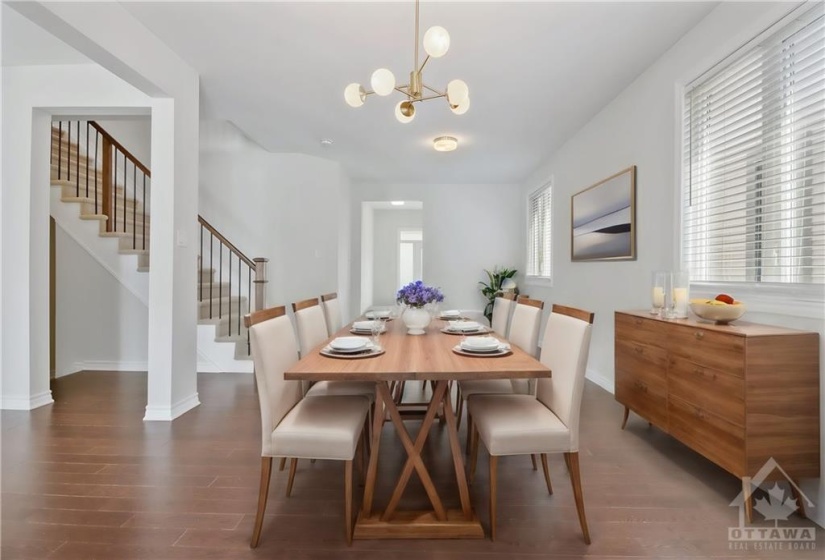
603	219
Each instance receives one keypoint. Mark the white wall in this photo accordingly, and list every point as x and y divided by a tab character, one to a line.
385	255
467	228
285	207
134	133
110	36
99	324
641	127
30	94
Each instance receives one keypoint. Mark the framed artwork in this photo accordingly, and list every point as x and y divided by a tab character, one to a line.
603	219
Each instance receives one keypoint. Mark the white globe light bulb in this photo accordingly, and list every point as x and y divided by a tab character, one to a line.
461	108
354	95
382	81
436	41
404	112
457	92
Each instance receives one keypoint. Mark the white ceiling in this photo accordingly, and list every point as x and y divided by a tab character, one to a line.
537	72
25	44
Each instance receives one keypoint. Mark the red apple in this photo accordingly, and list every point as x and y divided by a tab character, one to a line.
725	298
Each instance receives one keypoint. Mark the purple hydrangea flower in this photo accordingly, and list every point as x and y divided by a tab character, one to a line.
417	294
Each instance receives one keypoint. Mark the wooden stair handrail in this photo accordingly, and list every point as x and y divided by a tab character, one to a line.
121	148
226	242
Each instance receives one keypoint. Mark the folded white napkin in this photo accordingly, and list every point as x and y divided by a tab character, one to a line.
464	325
480	343
362	325
451	313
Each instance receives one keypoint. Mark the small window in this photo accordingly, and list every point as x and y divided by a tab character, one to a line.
754	161
539	232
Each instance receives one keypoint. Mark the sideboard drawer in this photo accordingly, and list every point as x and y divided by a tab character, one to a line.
648	400
709	389
715	350
645	331
717	439
647	360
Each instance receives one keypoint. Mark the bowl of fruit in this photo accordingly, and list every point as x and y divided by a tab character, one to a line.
722	309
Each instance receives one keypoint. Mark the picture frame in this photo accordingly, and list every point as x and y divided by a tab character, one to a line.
603	219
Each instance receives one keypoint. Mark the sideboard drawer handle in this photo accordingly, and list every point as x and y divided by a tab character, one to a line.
699	371
637	321
699	335
639	349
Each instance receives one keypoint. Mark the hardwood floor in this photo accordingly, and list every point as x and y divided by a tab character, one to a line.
87	478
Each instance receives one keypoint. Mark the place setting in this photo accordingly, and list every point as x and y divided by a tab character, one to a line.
351	348
465	327
384	314
369	327
482	347
450	315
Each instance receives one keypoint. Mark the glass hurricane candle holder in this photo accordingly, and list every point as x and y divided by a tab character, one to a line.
657	293
677	295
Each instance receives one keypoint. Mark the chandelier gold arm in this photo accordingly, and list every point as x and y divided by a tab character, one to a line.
440	93
423	64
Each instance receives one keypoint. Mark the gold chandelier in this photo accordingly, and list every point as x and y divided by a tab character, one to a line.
436	43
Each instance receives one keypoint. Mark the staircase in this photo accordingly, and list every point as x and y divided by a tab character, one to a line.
100	197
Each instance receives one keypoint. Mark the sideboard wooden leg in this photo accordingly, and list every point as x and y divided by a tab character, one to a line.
747	496
626	414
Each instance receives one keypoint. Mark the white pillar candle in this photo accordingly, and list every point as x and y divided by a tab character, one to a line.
658	297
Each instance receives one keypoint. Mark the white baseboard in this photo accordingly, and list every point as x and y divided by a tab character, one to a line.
600	380
101	365
26	403
167	414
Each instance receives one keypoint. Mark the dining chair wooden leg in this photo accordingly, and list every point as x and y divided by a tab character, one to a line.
533	459
546	472
348	499
473	440
575	479
263	493
470	428
459	408
493	476
626	414
567	462
282	464
293	466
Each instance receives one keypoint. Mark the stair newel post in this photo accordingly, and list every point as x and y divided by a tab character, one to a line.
107	181
260	283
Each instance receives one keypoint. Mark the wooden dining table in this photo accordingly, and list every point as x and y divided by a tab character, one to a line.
428	357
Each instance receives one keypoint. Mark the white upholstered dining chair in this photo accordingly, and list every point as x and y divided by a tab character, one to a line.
524	333
546	423
292	426
332	312
312	331
502	307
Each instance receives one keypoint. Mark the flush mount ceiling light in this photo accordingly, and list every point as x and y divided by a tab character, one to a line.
436	43
445	144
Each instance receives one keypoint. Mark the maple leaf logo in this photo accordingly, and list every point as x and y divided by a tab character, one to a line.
776	507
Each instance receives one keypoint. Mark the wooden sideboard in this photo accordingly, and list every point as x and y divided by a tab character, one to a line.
739	394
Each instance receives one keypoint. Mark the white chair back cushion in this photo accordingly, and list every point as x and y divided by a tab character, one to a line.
501	316
332	314
564	350
311	327
274	351
524	333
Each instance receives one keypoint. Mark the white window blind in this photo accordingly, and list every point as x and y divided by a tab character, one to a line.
539	233
754	161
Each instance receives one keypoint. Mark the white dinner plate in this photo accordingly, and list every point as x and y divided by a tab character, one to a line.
349	344
377	315
480	344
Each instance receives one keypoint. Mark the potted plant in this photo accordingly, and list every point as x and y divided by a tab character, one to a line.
498	284
415	296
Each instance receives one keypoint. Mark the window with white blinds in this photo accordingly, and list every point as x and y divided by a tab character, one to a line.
754	161
539	233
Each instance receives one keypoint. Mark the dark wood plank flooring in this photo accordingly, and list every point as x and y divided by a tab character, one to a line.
87	478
